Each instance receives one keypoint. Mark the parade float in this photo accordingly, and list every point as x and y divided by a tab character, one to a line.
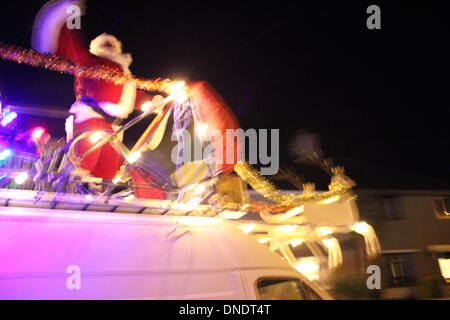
50	178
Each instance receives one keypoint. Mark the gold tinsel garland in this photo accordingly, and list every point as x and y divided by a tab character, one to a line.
269	191
63	65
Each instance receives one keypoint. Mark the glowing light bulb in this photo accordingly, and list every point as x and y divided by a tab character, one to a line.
89	197
292	212
330	200
132	158
361	227
178	91
324	231
96	136
37	134
287	228
309	268
247	228
200	189
129	198
296	242
21	178
201	130
263	240
5	154
146	105
117	179
8	118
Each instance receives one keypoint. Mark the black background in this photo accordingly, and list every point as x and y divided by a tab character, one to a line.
378	98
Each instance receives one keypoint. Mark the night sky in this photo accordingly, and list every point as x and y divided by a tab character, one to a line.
378	98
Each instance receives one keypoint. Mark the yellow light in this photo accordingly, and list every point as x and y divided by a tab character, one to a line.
177	86
247	228
296	242
292	212
330	200
308	267
21	178
146	105
96	136
129	198
117	179
201	130
228	214
287	228
324	231
132	158
263	240
361	227
200	189
178	91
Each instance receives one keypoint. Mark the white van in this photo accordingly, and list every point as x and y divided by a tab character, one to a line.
67	254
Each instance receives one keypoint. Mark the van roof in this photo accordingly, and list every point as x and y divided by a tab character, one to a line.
145	242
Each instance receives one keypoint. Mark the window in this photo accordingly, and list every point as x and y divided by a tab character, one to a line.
442	207
400	269
285	289
384	207
393	208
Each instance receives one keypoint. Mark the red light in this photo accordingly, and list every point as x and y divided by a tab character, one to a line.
39	135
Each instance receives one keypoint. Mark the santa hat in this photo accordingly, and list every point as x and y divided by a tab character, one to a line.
53	34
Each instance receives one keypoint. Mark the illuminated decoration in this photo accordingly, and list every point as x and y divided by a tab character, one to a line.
234	215
117	179
334	252
146	106
5	154
309	267
21	178
200	189
133	157
330	200
129	198
247	228
287	228
8	117
444	266
269	191
178	92
284	224
55	63
96	136
370	238
324	231
263	240
201	130
293	212
37	133
296	242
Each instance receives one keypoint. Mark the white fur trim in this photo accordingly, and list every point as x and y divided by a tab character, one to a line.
109	47
83	112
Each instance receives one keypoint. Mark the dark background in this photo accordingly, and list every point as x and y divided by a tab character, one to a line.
378	98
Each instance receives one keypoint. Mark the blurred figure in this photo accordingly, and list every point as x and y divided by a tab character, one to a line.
100	105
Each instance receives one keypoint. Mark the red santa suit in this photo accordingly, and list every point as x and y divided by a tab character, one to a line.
100	104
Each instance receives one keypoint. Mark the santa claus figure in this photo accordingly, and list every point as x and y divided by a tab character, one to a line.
100	105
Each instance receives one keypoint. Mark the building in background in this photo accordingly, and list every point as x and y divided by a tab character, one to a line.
413	227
